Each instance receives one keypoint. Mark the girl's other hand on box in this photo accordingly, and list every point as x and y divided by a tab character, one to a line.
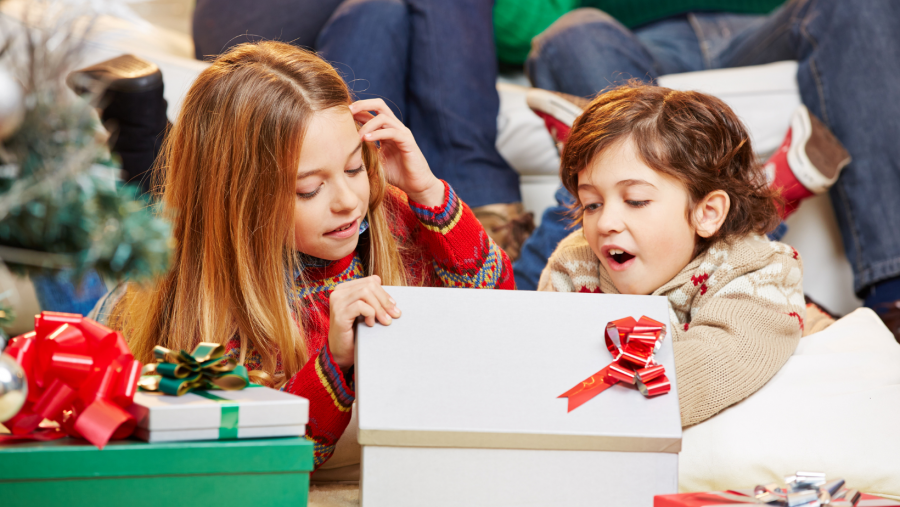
362	297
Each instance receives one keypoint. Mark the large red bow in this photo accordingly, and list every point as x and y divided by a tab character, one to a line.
80	374
632	345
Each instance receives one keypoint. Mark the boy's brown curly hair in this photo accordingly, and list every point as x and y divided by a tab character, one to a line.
693	137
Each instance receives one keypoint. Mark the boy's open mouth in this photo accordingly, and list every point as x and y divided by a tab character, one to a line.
618	257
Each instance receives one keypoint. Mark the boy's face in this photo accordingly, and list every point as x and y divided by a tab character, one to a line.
332	187
635	219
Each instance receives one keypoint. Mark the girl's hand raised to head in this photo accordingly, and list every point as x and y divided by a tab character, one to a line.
362	297
403	160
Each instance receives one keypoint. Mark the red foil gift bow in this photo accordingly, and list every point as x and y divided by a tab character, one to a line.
803	489
632	344
80	374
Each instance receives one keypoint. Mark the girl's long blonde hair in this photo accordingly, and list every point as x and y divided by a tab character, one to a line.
227	176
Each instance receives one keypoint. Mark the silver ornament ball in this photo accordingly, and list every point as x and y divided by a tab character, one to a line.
12	104
13	387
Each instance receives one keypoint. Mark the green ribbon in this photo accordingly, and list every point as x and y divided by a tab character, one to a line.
177	373
228	422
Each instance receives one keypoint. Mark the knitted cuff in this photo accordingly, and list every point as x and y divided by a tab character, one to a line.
332	379
440	219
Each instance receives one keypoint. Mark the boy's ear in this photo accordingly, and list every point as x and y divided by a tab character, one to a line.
710	212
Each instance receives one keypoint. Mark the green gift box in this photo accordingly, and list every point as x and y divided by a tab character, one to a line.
71	472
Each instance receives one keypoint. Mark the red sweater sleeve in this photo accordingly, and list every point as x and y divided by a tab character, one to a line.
458	251
330	399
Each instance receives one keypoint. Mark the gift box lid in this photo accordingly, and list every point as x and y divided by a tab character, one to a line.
70	458
258	406
485	369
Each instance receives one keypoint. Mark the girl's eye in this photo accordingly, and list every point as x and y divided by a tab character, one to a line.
358	170
592	207
309	195
637	204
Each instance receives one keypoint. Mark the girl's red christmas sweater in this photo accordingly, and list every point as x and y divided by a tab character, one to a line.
443	246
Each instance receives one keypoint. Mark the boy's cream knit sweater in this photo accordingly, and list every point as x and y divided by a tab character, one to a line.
736	314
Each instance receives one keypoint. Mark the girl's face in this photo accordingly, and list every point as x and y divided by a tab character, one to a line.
635	219
332	187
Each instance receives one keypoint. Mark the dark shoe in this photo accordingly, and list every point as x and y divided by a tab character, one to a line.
129	92
507	224
890	315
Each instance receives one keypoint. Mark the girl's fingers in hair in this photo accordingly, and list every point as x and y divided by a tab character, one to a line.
380	123
377	105
363	116
385	135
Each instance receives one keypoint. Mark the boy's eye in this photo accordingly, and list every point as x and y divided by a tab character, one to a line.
358	170
593	207
309	195
637	204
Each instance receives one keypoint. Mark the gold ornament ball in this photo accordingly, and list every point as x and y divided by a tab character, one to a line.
13	387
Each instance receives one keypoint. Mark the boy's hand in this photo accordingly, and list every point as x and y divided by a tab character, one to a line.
363	297
404	164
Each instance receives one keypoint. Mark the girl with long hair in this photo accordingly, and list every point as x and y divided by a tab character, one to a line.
291	206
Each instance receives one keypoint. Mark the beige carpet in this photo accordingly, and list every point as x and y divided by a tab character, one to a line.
334	495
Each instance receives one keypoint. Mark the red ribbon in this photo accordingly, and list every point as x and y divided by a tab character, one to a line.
80	374
632	344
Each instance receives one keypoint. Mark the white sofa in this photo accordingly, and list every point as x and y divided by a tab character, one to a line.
763	96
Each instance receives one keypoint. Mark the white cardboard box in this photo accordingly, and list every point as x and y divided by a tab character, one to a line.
458	404
261	412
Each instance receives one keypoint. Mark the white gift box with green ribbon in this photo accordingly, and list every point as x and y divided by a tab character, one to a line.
253	412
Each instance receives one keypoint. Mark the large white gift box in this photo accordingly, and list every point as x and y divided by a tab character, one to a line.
253	412
459	403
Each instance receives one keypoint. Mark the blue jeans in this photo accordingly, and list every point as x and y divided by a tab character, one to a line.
62	291
849	61
434	63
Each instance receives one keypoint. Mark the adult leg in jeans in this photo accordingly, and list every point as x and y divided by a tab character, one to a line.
848	57
581	53
221	24
453	101
367	41
435	62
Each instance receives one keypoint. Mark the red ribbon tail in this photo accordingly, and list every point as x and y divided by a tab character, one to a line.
590	387
103	421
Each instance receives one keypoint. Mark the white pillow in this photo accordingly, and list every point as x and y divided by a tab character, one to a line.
834	407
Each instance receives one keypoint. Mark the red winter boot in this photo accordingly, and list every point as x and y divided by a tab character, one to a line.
558	110
808	162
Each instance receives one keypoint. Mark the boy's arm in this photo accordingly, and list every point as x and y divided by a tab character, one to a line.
460	252
738	339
